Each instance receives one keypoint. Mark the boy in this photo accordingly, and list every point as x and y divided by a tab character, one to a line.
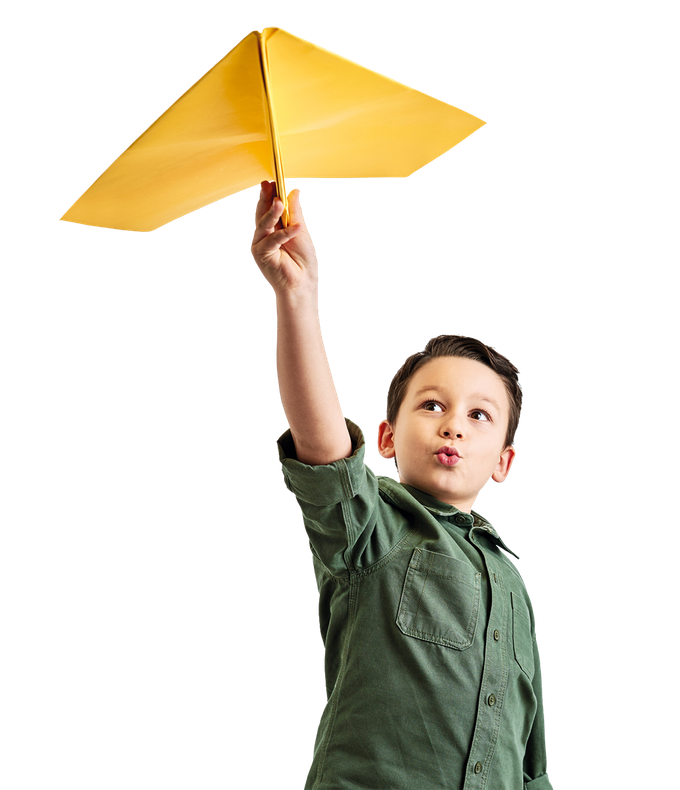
432	671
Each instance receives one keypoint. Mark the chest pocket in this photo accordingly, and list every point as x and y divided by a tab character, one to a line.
521	635
440	600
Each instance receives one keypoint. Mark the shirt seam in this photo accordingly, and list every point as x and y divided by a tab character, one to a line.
351	619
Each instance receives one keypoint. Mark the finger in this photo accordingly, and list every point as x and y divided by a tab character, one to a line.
268	221
270	225
275	213
271	243
267	191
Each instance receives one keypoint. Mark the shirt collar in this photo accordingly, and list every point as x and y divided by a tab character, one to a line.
437	507
459	517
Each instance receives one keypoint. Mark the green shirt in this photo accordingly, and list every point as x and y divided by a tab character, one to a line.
432	670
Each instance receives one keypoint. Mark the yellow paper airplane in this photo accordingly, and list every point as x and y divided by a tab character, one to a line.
273	99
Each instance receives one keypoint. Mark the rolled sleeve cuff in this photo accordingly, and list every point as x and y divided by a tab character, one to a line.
540	783
325	484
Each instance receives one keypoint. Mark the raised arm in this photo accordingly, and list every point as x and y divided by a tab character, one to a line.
287	259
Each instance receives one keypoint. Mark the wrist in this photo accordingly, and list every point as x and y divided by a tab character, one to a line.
298	299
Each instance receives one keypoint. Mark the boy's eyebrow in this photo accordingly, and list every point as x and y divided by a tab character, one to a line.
478	396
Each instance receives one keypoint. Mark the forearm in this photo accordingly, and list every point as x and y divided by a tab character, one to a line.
305	381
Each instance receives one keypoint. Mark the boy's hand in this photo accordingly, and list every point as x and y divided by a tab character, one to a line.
285	256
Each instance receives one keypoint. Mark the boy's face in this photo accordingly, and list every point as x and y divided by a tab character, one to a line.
452	405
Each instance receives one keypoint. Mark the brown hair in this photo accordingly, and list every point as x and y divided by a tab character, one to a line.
468	348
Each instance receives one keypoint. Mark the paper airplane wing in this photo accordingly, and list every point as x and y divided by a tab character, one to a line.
212	142
273	101
339	120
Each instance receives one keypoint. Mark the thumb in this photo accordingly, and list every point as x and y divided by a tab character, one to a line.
295	210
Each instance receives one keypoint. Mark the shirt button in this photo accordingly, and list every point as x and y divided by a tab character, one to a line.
496	635
491	700
459	519
478	768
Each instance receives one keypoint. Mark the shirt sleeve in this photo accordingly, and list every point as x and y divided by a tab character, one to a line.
348	525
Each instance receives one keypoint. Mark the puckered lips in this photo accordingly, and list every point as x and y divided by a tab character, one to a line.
447	456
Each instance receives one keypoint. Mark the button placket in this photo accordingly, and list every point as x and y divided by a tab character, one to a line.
494	681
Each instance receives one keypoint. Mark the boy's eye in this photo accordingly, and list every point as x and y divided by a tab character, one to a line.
478	414
432	405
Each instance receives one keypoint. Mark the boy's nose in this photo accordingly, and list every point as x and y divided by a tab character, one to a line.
452	426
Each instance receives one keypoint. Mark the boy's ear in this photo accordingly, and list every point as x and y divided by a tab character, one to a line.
386	440
503	466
